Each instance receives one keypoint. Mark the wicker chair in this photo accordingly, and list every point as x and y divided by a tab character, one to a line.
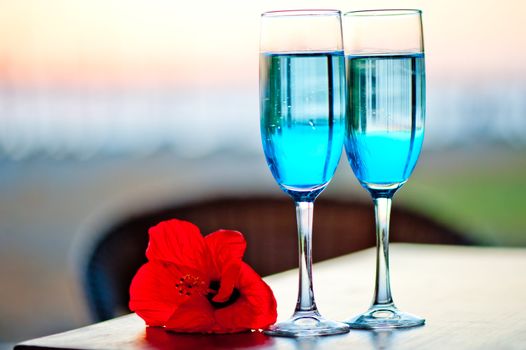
269	226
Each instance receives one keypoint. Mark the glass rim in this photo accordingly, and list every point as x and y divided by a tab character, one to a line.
301	12
384	12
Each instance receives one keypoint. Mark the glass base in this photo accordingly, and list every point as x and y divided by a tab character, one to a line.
307	326
385	317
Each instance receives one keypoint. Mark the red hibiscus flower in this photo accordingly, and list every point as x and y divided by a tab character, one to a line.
196	284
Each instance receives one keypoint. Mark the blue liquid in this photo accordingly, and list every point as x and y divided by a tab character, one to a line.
302	119
385	128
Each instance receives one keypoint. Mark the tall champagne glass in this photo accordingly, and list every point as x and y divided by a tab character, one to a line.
302	100
385	128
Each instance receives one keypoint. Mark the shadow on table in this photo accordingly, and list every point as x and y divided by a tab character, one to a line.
158	338
268	223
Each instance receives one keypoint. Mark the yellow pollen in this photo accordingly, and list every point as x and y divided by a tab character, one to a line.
188	285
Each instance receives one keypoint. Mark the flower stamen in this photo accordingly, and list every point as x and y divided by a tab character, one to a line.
188	285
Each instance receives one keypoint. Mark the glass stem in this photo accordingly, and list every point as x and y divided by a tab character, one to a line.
382	290
304	215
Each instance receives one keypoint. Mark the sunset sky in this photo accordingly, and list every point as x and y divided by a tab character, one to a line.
216	42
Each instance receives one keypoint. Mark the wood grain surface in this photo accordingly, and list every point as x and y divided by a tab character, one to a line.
471	297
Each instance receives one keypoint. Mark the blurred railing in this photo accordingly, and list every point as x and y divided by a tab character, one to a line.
81	122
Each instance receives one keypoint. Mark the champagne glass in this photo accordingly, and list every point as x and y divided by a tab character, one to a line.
385	129
302	100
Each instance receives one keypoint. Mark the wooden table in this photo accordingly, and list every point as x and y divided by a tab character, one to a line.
472	298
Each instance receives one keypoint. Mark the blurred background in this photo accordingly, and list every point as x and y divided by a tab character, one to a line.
111	108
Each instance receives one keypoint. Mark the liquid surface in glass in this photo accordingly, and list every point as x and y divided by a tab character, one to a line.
385	128
302	117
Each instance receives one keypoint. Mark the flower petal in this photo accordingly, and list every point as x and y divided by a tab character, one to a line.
153	295
229	277
179	242
256	306
226	249
194	315
225	245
